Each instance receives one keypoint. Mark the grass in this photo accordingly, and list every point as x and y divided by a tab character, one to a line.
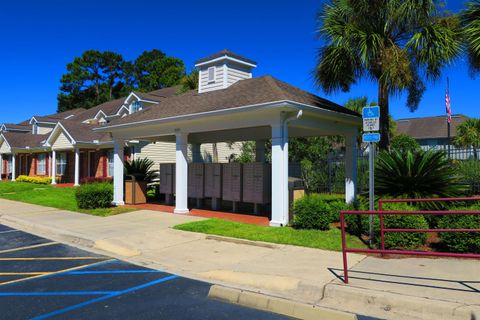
46	195
327	240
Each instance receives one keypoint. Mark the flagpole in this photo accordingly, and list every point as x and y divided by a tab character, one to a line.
448	122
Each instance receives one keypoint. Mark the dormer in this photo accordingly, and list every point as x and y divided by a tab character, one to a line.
42	125
137	101
221	70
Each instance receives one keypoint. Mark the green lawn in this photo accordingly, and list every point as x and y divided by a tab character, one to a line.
46	195
328	240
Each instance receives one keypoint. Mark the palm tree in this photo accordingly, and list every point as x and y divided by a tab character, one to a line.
471	24
468	135
393	42
189	82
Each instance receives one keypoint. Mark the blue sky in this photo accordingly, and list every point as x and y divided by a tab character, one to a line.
40	37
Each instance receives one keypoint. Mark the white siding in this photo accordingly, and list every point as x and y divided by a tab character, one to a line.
164	152
62	142
4	148
236	72
219	76
44	129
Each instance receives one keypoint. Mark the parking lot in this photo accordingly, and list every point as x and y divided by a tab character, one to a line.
42	279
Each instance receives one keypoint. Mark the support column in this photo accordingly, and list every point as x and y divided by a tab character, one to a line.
54	167
260	151
1	166
77	167
350	168
181	173
118	172
279	177
14	170
196	153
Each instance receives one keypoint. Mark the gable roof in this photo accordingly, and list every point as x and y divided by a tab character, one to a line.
247	92
24	140
13	126
429	127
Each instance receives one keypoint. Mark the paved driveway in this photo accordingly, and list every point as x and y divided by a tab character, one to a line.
41	279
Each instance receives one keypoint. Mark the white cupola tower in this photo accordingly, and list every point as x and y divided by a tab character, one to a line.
221	70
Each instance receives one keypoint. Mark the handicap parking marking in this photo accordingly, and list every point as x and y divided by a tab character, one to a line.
109	296
50	274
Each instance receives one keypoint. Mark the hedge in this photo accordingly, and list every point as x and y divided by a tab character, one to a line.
36	180
311	212
468	242
94	195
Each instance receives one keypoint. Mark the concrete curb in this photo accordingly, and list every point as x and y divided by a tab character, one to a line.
114	248
272	304
243	241
397	306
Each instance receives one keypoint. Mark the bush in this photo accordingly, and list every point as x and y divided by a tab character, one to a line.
359	225
36	180
404	143
94	195
311	212
468	242
88	180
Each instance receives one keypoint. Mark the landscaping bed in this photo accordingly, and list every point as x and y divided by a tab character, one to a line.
49	196
327	240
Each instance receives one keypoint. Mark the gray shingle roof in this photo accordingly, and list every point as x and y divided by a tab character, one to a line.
243	93
429	127
23	140
223	53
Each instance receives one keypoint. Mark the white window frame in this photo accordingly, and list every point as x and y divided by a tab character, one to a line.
214	74
136	106
9	160
110	167
35	128
62	163
42	164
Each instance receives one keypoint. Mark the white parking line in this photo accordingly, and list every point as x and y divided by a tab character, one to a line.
9	231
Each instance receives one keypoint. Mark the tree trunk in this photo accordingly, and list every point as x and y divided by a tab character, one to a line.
215	152
384	116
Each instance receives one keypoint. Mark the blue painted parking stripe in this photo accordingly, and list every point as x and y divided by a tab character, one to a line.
116	294
112	271
66	293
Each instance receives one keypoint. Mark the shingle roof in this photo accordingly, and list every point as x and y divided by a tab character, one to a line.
243	93
82	132
109	108
429	127
13	126
23	140
223	53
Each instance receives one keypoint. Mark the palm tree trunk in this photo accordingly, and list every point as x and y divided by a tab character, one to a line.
215	152
384	116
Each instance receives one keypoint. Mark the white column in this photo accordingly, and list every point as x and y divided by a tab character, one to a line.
77	167
196	153
260	151
1	166
279	177
14	173
350	168
181	174
118	172
54	167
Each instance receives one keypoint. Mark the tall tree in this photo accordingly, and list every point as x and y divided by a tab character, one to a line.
91	79
155	70
393	42
471	23
468	135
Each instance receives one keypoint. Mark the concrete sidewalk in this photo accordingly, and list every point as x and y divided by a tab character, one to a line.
392	289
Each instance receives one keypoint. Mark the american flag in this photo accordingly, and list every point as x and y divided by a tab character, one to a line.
447	105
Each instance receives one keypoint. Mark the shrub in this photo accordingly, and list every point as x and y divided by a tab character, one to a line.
359	225
94	195
88	180
141	169
420	174
311	212
36	180
468	242
404	143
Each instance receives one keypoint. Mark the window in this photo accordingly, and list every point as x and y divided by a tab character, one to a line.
110	164
62	163
136	106
35	129
41	164
211	74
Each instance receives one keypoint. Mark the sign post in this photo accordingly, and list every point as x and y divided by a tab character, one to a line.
371	122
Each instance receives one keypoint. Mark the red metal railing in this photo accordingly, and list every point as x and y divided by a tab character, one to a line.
382	212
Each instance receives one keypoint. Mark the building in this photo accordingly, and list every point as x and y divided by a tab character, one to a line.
430	132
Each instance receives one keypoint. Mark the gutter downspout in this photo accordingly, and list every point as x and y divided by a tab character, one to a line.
286	121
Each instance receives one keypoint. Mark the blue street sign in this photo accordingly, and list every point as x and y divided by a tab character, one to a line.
371	112
371	137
